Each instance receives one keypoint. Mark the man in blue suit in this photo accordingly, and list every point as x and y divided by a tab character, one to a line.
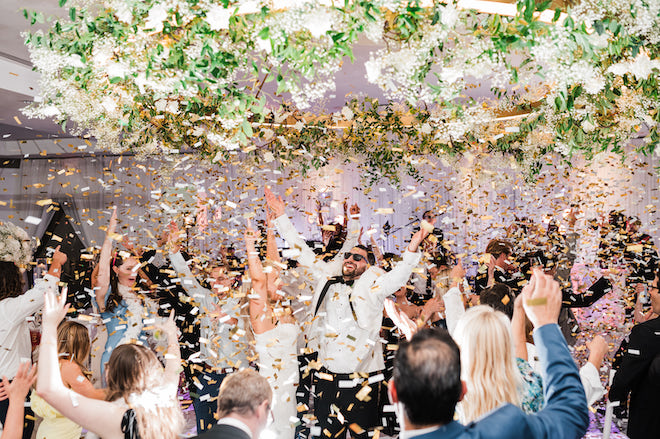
426	384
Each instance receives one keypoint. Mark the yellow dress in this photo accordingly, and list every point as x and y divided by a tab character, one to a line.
53	425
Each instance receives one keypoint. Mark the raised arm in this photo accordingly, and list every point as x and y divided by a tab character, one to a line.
103	277
518	327
16	391
254	262
173	354
188	281
453	298
272	253
394	279
80	409
378	255
258	306
18	308
565	413
305	255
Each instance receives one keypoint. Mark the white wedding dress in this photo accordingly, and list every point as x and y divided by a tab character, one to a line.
278	363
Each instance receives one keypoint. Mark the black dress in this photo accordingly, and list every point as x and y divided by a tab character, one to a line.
129	425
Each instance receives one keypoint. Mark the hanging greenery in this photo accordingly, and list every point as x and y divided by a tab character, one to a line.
156	76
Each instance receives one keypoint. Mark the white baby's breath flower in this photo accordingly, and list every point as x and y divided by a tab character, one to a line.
318	23
218	17
373	70
157	15
449	15
347	113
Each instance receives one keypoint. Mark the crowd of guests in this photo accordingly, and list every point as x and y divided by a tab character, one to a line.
346	339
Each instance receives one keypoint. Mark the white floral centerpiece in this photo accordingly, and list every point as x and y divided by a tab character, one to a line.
15	244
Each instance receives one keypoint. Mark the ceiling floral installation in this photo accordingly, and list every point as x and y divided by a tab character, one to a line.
242	80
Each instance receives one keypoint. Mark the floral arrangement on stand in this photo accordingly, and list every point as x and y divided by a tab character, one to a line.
15	244
159	76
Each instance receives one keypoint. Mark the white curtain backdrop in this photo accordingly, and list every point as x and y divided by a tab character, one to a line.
474	206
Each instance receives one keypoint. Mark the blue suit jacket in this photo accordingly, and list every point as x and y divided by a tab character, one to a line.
565	415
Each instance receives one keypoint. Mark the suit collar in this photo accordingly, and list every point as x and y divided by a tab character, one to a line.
236	423
447	431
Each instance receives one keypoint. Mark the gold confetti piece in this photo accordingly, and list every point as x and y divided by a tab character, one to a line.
44	202
384	211
363	393
537	302
356	428
17	120
427	226
505	300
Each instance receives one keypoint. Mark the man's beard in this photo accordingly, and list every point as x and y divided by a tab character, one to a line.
352	271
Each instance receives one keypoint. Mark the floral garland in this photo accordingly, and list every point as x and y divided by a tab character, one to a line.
158	76
15	244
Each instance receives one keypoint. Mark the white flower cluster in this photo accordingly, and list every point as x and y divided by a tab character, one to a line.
15	244
555	54
638	17
641	67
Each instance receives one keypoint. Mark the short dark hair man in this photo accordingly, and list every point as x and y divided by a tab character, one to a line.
426	384
244	405
639	372
347	309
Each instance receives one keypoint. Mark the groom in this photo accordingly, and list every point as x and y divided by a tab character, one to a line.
347	309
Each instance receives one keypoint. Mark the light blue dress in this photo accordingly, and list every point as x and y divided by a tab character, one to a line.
116	324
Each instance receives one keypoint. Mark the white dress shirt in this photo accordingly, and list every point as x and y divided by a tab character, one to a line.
221	343
348	343
15	344
454	308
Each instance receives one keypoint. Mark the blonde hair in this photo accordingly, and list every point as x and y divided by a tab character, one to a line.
73	344
488	364
135	369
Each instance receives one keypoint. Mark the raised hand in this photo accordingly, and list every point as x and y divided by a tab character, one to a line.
55	308
168	327
270	216
598	349
58	257
112	225
276	204
421	235
251	236
457	272
19	387
173	237
542	299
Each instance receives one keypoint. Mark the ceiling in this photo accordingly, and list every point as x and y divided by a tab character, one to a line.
19	84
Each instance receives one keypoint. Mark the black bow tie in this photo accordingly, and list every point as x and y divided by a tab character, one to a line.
340	280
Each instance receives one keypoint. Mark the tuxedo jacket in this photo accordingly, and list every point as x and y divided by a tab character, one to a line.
223	431
639	376
565	415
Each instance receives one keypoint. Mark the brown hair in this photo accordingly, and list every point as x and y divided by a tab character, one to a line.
134	369
242	392
73	344
11	280
114	298
498	246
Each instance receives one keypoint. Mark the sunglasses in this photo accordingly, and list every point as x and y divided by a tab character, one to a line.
356	257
